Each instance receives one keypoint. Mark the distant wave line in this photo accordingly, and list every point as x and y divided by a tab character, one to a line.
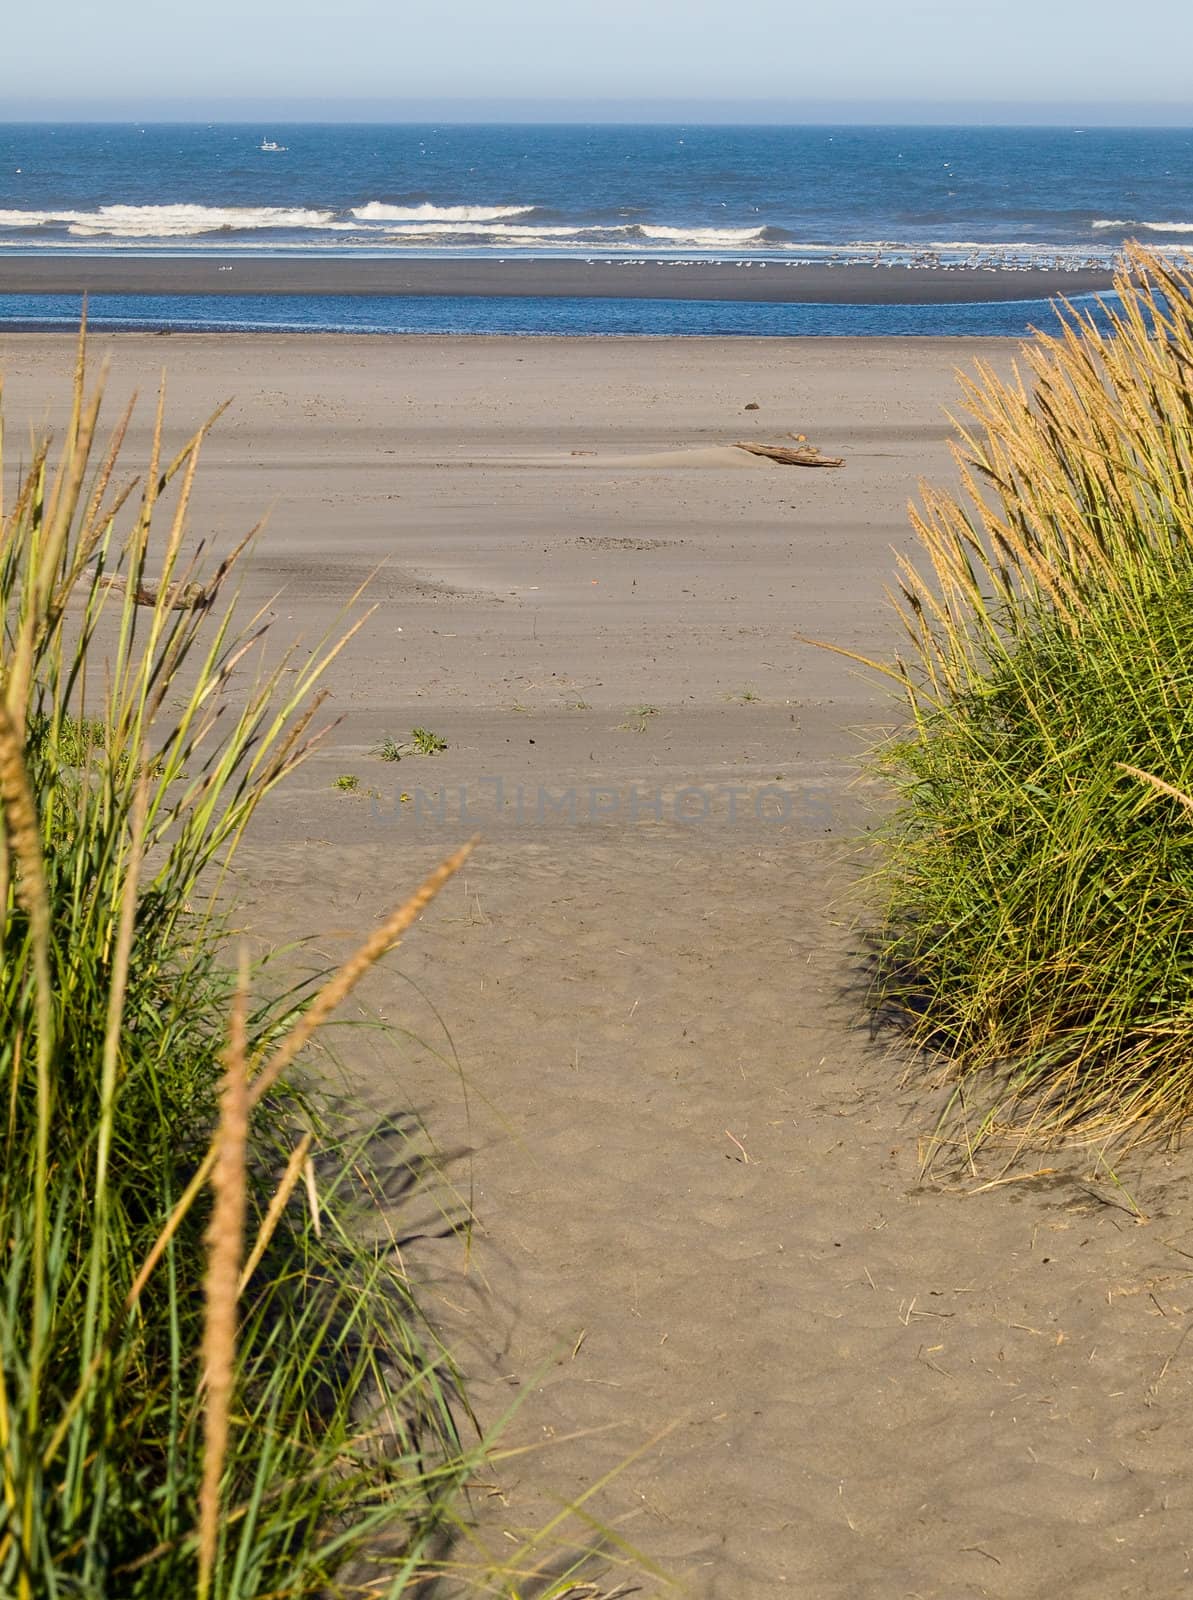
1104	223
191	221
172	221
711	238
380	219
379	211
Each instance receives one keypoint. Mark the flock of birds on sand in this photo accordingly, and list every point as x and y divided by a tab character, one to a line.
924	260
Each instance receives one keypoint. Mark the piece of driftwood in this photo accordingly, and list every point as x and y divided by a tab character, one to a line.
805	455
178	596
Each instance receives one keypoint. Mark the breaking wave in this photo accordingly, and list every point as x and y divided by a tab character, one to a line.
169	221
486	230
378	221
694	238
378	211
1148	227
712	237
383	226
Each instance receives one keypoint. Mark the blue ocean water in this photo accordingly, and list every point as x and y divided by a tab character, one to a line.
555	315
1007	197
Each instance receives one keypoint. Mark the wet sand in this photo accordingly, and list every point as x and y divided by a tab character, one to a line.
634	279
694	1177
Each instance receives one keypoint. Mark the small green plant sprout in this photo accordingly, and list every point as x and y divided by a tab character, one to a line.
637	718
426	742
390	749
1129	1204
76	739
747	696
348	782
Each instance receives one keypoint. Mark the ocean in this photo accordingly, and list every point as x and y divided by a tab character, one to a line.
1007	198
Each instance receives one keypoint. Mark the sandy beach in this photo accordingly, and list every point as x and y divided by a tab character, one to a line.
700	1243
637	278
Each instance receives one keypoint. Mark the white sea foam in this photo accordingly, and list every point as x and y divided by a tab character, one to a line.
482	228
1029	246
628	235
170	221
178	221
486	230
705	238
1149	227
377	211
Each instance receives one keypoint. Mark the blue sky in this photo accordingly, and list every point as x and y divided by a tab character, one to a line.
424	57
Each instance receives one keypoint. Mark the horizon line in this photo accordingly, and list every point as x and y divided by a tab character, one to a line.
461	111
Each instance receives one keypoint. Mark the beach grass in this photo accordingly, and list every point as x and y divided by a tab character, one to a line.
426	742
210	1381
1036	891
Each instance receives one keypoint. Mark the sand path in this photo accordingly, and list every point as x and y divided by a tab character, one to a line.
694	1178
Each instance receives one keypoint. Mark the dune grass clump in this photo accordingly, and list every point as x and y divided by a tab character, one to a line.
1038	896
209	1383
427	742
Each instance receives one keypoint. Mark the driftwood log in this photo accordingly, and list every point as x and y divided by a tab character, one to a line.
804	455
178	596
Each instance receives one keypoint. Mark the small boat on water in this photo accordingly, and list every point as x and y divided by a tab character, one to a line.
272	144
